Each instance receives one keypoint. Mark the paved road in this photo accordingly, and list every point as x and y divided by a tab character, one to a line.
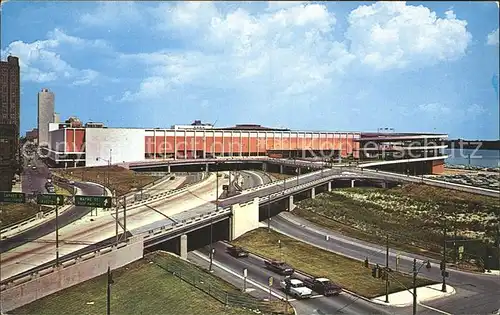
254	178
70	215
477	287
35	179
343	304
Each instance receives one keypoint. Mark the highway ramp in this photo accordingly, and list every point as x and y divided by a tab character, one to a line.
342	304
92	229
474	286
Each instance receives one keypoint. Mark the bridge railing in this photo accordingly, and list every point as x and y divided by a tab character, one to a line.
64	262
434	182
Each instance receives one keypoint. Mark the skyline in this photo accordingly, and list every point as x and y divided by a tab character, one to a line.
314	66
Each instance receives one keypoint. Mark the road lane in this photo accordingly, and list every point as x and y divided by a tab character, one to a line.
92	229
484	287
345	303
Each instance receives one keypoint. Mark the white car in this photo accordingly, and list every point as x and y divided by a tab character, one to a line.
296	288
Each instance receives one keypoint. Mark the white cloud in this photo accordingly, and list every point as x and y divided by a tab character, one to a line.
279	5
40	61
434	108
289	51
388	35
111	13
492	38
475	110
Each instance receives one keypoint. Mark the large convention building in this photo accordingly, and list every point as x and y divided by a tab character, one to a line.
96	145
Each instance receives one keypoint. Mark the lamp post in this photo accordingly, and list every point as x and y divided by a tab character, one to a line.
216	209
415	273
107	172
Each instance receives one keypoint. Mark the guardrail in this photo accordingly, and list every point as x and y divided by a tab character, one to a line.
438	183
64	262
164	195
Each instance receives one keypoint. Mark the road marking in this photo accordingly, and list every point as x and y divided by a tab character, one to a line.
263	288
435	309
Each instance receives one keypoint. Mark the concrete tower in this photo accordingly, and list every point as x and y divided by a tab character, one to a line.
45	115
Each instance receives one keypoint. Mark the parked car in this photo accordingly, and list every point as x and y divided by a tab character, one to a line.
279	267
323	286
237	251
295	288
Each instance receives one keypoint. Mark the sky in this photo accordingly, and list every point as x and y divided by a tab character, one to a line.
336	66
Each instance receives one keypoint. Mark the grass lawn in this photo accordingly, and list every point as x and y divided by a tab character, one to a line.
413	216
349	273
61	191
139	288
121	179
279	176
13	213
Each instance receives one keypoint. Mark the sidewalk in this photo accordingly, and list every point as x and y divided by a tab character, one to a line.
405	298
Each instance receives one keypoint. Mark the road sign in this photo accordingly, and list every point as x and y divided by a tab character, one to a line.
12	197
50	199
270	281
93	201
461	249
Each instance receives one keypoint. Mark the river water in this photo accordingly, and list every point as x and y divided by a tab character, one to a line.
481	158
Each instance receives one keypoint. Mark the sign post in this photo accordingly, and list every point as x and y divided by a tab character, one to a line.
93	201
270	280
52	200
12	197
245	274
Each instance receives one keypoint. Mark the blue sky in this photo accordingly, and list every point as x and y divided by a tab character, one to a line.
354	66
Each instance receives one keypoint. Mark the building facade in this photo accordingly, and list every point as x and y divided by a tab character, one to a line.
10	103
100	146
45	115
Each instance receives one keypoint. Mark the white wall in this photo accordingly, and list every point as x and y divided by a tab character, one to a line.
245	218
125	144
65	277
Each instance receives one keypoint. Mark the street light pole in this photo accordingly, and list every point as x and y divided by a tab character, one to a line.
443	287
414	286
387	268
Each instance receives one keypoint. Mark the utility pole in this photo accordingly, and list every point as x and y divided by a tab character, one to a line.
387	269
57	235
108	295
125	217
269	217
211	246
414	286
443	288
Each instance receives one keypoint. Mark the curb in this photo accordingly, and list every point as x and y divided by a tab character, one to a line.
307	275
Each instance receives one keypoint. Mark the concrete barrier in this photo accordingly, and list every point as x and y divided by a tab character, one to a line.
54	279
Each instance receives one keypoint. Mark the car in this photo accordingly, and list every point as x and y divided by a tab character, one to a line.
323	286
237	251
295	288
71	182
279	267
33	167
50	189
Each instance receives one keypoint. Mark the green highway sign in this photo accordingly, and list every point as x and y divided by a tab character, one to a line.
12	197
50	199
93	201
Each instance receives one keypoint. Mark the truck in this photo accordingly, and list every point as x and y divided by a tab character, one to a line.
323	286
295	288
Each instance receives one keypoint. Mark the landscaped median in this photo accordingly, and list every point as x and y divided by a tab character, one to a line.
347	272
414	217
120	179
149	286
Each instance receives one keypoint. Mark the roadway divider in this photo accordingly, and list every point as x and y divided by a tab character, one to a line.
167	194
64	262
191	220
39	218
434	182
304	274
